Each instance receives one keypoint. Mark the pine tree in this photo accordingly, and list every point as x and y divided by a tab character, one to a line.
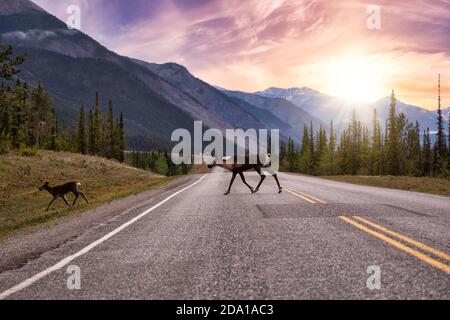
392	140
121	142
18	108
8	63
110	134
364	152
291	155
440	148
312	146
427	155
321	143
97	127
91	133
53	131
305	157
355	141
328	164
82	143
39	117
448	149
376	145
332	145
282	153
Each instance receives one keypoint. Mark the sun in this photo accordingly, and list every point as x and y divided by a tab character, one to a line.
355	79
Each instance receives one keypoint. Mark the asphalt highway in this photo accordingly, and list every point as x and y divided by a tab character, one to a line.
319	239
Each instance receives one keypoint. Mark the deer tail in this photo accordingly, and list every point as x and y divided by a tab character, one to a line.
79	185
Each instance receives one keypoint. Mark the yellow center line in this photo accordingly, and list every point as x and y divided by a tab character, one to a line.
422	246
311	197
299	195
398	245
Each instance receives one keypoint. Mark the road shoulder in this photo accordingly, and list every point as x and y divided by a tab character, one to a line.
17	250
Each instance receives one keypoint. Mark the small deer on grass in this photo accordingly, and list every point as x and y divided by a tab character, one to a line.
61	191
239	169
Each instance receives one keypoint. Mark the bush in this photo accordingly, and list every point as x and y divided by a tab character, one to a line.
28	152
5	145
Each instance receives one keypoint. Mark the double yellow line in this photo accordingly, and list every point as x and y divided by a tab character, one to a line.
308	198
419	255
382	232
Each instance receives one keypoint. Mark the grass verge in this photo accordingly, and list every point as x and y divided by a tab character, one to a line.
436	186
22	206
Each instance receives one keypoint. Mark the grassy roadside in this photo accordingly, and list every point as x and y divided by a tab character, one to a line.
22	206
418	184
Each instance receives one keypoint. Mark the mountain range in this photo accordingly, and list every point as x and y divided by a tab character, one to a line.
327	108
158	98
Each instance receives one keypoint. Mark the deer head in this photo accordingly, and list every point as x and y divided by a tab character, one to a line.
45	186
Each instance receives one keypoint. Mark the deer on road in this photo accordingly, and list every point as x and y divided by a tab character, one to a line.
61	191
239	169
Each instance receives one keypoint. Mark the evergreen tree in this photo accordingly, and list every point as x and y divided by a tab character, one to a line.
376	146
97	127
448	149
8	62
427	155
364	152
440	148
91	133
328	163
82	143
18	108
53	132
291	155
392	140
305	156
39	117
121	142
332	145
110	133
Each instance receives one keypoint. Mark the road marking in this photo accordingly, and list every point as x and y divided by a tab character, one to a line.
422	246
398	245
88	248
304	196
299	195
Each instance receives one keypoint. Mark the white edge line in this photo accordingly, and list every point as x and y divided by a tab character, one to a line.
88	248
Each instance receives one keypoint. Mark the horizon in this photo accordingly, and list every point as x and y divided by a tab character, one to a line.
262	43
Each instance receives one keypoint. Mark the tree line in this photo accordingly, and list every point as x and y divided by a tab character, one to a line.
28	119
156	161
400	149
100	133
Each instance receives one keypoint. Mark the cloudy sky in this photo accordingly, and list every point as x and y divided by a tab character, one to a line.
254	44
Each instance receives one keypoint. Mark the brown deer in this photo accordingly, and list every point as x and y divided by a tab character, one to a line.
61	191
239	169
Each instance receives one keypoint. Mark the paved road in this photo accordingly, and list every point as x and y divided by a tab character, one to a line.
316	240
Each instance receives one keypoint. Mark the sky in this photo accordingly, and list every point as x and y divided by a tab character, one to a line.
347	48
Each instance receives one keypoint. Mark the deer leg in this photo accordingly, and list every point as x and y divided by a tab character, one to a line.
263	177
76	198
51	202
67	202
280	189
274	175
245	182
231	183
84	196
